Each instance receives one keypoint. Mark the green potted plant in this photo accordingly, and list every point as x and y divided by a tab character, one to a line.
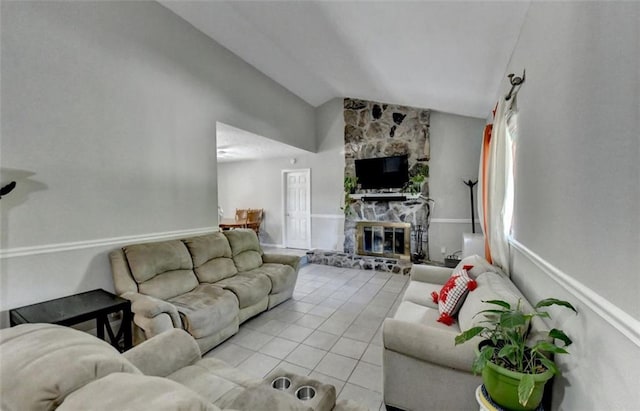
419	174
514	373
414	186
350	186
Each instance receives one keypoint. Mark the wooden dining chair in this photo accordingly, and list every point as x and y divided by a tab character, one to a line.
254	219
242	214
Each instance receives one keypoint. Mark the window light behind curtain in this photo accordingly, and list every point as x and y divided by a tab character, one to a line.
496	177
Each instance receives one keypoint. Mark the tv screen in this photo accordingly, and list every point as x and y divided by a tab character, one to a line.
383	172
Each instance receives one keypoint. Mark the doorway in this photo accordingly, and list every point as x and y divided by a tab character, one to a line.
296	190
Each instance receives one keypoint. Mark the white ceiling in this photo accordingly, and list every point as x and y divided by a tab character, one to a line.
448	56
234	144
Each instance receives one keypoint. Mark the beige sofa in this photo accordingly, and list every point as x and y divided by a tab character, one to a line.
423	369
206	285
47	367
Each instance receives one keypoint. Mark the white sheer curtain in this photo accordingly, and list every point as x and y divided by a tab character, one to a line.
496	183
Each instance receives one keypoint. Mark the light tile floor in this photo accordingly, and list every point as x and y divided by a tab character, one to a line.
330	330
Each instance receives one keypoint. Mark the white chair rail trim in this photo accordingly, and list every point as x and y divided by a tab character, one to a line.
619	319
433	220
103	242
329	216
453	221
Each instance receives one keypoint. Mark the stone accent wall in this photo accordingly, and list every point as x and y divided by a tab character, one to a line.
381	130
375	129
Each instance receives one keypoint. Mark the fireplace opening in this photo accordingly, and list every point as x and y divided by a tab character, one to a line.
384	239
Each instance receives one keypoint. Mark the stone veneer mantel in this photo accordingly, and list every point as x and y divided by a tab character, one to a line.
409	196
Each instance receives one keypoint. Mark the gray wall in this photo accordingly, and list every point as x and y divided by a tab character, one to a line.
264	188
455	155
110	109
577	206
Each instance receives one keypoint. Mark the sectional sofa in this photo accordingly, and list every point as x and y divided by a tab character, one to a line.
207	285
48	367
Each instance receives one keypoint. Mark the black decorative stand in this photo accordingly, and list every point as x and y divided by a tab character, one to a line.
470	184
418	234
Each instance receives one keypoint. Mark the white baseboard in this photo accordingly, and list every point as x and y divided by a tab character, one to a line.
272	245
619	319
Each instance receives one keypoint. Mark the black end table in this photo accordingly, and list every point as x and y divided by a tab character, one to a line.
74	309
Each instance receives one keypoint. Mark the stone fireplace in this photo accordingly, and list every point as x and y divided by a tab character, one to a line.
373	130
384	239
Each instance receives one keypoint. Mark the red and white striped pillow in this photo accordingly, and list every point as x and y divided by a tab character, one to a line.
453	293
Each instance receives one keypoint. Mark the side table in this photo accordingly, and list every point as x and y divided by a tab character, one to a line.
74	309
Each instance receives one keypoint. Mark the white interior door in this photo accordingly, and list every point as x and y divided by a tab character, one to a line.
297	208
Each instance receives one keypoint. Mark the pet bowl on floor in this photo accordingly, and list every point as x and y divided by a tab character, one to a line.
281	383
306	392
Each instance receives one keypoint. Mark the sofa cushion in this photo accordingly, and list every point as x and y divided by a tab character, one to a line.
245	248
124	392
169	284
206	310
211	257
43	363
247	260
148	260
162	269
250	289
480	265
418	314
414	331
282	276
420	293
491	286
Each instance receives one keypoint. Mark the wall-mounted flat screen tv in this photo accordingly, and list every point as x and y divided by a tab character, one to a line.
383	172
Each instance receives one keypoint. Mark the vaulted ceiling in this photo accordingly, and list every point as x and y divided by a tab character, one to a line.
448	55
445	55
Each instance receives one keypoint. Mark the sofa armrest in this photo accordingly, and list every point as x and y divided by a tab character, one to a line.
122	391
165	353
292	260
122	277
430	273
431	344
150	307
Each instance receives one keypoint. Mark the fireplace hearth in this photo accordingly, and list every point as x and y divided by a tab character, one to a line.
362	262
